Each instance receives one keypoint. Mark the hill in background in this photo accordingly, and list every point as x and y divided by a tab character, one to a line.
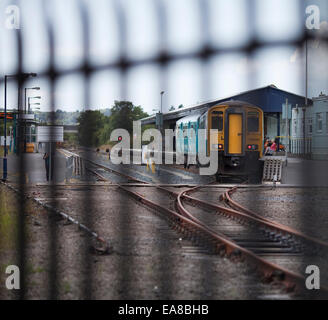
65	117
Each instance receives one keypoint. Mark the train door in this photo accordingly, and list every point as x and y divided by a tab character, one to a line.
234	132
217	124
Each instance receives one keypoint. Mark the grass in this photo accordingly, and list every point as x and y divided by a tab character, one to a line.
8	220
9	210
66	287
2	149
31	269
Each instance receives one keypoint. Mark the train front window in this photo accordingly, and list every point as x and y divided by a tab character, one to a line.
253	122
217	120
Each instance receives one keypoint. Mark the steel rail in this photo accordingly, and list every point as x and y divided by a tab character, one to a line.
244	214
99	176
253	218
224	245
104	167
186	223
284	228
108	247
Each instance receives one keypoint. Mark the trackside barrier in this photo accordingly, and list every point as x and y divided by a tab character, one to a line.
75	165
300	146
272	170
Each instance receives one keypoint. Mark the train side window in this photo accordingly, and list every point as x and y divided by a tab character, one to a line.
192	130
253	123
217	120
202	122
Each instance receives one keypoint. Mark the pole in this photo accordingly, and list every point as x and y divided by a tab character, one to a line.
50	161
278	130
287	133
4	178
161	102
25	99
306	73
306	92
161	125
5	134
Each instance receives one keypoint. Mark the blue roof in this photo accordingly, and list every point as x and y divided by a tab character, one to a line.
270	99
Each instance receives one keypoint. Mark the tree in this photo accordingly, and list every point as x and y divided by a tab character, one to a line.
123	113
180	106
171	108
90	126
95	128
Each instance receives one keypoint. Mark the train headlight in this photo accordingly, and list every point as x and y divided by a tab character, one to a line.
220	146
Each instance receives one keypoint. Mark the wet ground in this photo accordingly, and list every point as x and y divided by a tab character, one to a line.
158	174
149	260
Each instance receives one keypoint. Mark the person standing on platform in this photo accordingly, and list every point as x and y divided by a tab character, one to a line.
46	162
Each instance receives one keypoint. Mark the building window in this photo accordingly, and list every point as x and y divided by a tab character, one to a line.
294	128
310	126
319	122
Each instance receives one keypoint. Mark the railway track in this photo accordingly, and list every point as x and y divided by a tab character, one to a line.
105	248
275	250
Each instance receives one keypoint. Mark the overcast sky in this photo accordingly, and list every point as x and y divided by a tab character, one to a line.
178	27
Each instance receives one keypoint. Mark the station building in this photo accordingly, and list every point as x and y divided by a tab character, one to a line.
270	99
309	129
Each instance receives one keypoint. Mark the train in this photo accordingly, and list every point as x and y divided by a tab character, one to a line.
238	139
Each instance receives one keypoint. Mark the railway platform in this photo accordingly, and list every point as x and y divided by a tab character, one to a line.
303	172
35	171
295	171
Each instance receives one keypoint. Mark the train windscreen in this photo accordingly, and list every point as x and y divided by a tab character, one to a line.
253	122
217	120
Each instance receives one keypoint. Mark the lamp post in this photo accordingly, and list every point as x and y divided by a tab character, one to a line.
306	94
20	76
29	103
25	120
25	104
162	92
161	128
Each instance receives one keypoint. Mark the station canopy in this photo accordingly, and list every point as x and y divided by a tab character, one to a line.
270	99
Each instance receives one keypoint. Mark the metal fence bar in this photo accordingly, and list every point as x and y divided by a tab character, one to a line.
22	169
124	65
52	224
88	207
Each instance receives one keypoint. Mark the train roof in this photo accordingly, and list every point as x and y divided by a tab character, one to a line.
192	118
235	103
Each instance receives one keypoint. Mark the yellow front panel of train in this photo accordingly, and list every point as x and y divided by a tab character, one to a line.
235	133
